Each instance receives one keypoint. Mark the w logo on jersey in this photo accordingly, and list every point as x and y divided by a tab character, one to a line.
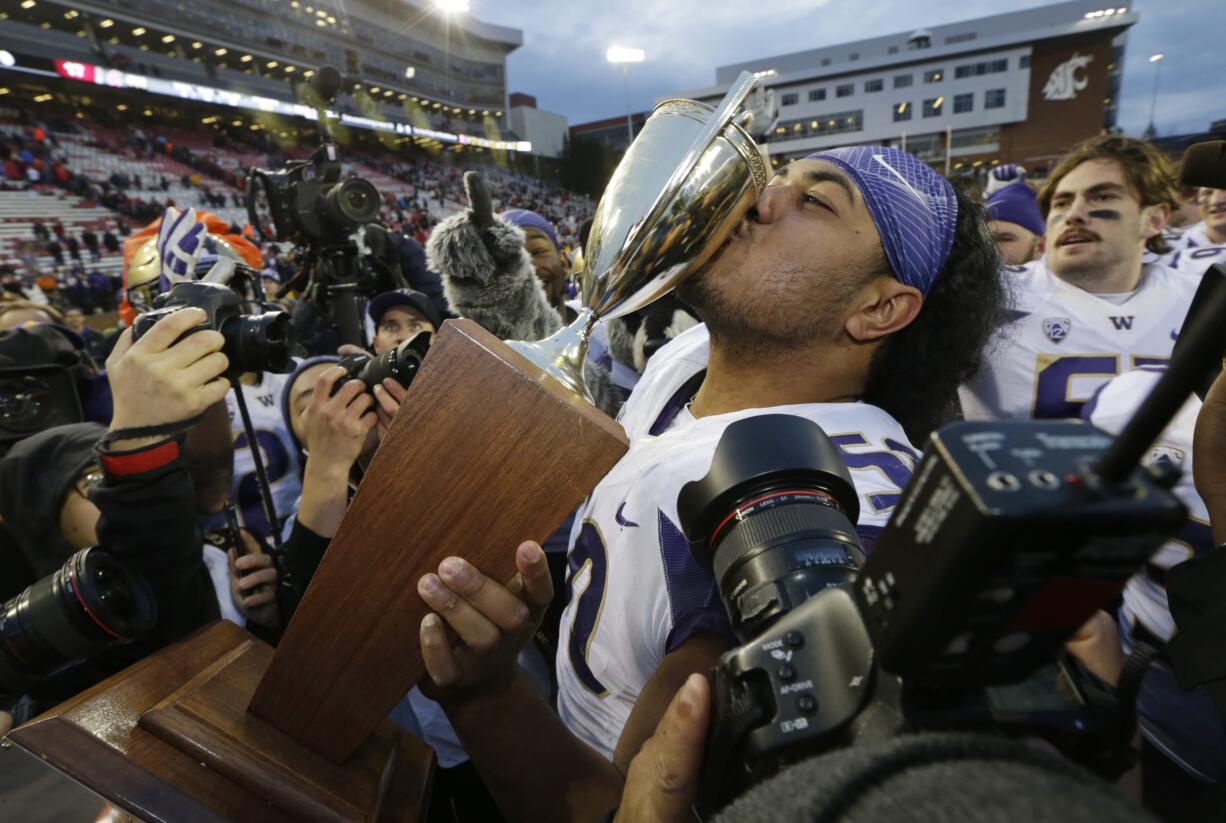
1057	328
1123	322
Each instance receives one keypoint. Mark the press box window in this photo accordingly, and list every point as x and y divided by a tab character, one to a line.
846	90
816	95
873	85
932	108
901	81
964	103
789	99
902	111
933	76
994	99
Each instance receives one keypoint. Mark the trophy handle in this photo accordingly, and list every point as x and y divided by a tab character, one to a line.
561	354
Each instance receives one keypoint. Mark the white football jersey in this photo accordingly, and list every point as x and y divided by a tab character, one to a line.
1063	342
276	449
1183	724
1193	261
636	592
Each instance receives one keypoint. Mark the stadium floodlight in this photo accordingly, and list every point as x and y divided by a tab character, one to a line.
621	54
138	31
246	58
7	59
221	52
271	64
168	38
1155	58
624	56
409	72
452	6
27	4
106	24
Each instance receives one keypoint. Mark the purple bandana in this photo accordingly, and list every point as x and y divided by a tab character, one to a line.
531	220
913	208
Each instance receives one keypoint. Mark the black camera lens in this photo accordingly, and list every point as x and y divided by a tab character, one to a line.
87	606
261	342
773	518
352	203
24	403
400	364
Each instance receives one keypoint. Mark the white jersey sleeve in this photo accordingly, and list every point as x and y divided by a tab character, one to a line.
1183	724
277	450
1063	342
636	592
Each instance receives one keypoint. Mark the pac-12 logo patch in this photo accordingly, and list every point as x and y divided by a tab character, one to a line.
1057	328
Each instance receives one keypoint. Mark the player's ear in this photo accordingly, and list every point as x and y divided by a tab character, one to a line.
1154	219
884	306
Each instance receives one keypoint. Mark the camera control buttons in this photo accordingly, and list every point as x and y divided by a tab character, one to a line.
1043	479
785	673
794	639
1003	482
806	704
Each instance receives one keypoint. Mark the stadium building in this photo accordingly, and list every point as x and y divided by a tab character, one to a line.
407	69
1013	88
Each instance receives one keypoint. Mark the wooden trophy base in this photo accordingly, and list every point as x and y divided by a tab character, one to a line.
169	739
485	452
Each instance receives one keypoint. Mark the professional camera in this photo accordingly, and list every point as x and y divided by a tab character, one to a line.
400	364
43	378
308	201
1010	535
89	605
254	343
313	208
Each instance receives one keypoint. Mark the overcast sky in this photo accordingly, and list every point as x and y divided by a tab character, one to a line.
562	60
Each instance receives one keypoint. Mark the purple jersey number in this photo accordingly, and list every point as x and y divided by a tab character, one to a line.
588	552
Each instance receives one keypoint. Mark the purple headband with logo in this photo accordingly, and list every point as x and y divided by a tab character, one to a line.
526	219
912	206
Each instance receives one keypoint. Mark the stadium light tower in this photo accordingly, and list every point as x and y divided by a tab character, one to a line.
620	55
449	9
1153	103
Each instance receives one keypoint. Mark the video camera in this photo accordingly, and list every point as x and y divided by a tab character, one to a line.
44	379
1009	536
311	206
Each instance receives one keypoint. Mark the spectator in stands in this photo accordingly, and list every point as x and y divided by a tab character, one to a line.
74	247
110	242
40	231
57	228
91	243
56	251
95	342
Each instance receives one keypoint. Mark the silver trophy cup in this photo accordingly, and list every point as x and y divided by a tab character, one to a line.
688	178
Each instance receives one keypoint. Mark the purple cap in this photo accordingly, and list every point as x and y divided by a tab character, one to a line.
1016	203
914	208
531	220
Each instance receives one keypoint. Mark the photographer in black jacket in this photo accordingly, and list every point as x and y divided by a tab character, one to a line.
130	489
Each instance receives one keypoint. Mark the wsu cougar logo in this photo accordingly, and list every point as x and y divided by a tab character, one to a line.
1064	82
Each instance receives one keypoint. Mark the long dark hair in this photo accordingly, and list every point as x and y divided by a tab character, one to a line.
915	374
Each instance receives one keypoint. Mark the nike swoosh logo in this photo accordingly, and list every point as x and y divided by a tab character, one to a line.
881	159
622	521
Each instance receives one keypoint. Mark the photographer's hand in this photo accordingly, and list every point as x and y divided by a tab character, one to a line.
253	584
335	428
388	398
1097	647
1208	450
662	781
490	622
161	379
